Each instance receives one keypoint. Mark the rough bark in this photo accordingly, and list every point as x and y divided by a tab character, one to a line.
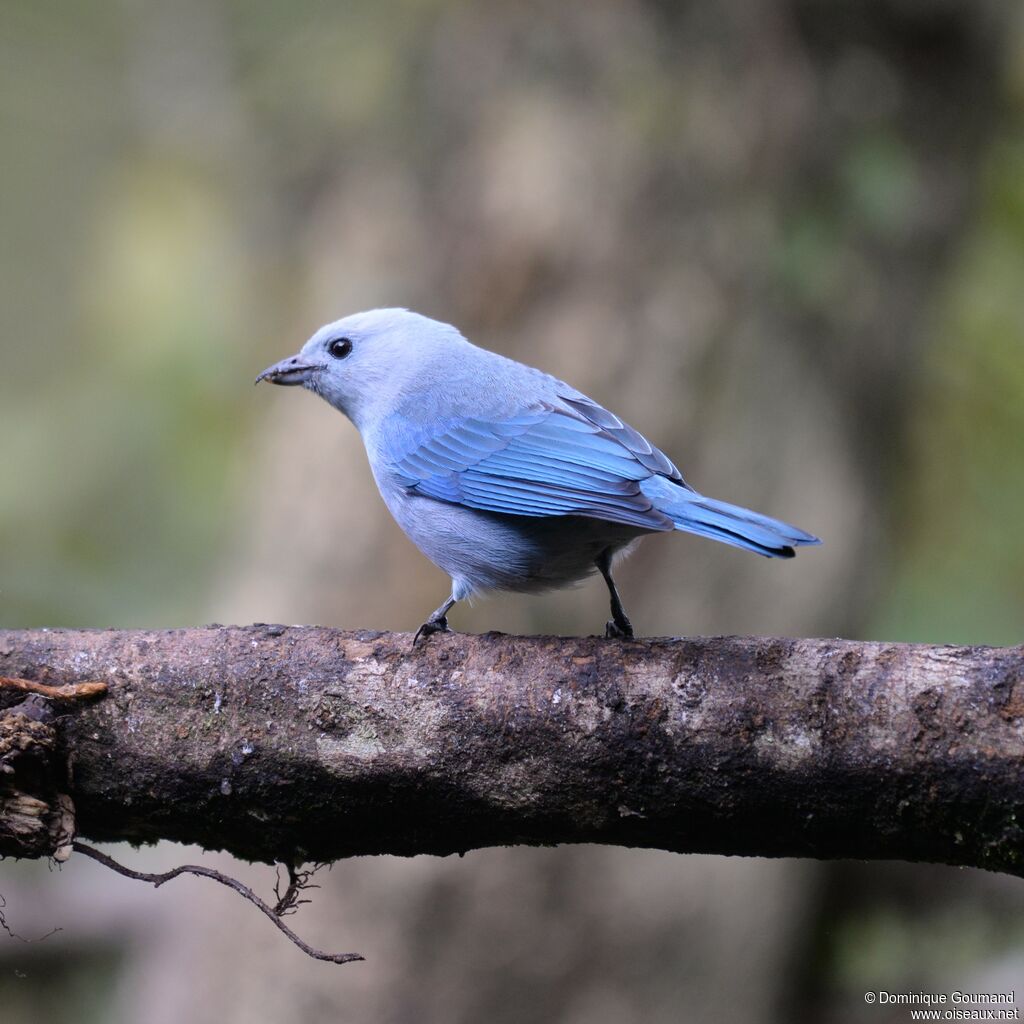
296	743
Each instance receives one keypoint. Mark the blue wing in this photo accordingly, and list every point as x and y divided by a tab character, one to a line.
568	457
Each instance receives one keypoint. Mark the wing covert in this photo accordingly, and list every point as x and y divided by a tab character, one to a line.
570	458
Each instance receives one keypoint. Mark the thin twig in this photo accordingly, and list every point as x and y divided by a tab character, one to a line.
244	891
288	902
70	691
4	926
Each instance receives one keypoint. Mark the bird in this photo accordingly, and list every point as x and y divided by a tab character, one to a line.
504	476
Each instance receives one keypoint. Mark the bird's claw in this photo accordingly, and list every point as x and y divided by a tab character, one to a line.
614	630
430	627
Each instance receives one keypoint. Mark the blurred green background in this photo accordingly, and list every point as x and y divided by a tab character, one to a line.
784	238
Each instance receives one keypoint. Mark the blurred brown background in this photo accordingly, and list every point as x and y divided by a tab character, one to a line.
784	238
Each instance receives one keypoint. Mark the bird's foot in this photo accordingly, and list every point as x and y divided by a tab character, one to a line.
430	627
619	629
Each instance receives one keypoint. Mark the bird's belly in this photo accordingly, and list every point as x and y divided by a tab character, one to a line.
493	551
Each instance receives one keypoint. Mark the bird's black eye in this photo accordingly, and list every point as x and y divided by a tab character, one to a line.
339	348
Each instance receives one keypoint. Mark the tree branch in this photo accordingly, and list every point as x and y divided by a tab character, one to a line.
306	744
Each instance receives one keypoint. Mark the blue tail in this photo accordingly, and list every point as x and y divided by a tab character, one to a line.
731	524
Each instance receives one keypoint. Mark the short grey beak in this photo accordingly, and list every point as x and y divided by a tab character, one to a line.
289	371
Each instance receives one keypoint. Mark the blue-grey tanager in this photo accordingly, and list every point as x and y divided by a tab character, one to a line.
505	477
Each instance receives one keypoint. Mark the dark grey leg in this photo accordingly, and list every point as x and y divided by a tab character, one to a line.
619	627
437	623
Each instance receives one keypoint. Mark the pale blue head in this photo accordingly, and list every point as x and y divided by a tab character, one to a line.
354	362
